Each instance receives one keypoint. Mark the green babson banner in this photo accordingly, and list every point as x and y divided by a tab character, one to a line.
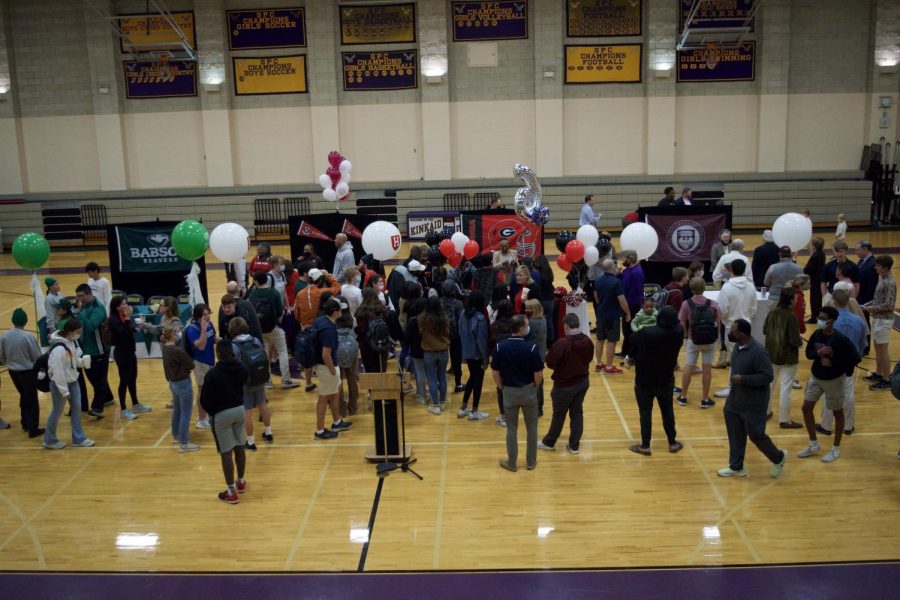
148	250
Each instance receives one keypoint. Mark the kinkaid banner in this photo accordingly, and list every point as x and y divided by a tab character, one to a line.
718	64
716	13
160	79
393	70
266	28
620	63
155	32
602	18
478	21
270	75
148	250
378	24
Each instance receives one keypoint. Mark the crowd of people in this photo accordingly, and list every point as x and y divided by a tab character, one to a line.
499	312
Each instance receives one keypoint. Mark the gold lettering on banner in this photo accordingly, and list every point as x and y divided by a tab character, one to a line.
157	73
489	13
154	32
592	18
388	23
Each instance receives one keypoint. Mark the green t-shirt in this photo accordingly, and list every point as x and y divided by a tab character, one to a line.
300	285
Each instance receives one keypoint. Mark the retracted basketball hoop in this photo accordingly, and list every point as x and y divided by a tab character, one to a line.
712	56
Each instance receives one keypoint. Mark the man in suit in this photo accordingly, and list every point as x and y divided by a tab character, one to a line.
686	197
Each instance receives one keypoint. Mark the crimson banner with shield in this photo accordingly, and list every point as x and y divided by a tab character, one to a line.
491	227
685	237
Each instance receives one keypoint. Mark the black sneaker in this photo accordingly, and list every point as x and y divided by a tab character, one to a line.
881	385
872	378
96	413
326	435
676	390
707	403
682	401
620	355
342	426
459	388
268	437
822	430
109	402
250	447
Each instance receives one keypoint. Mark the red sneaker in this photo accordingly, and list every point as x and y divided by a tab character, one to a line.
241	486
599	368
613	371
229	497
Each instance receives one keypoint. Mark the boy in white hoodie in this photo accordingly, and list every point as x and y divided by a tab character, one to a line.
62	369
737	300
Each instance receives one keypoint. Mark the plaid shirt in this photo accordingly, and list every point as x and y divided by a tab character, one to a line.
882	305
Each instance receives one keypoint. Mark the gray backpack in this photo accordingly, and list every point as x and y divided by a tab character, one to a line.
347	348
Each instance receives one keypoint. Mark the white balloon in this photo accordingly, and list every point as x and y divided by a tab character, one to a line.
229	242
591	256
382	240
345	178
587	235
324	181
342	189
641	238
330	195
459	240
345	166
792	230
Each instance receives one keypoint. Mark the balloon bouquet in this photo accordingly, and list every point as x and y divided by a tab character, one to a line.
335	181
190	240
31	252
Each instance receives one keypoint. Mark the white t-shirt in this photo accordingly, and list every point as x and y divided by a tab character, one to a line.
841	231
101	290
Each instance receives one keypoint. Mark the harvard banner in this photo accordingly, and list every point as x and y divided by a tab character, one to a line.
604	64
148	250
478	21
378	24
524	237
160	79
603	18
155	32
266	28
270	75
718	64
716	13
685	238
393	70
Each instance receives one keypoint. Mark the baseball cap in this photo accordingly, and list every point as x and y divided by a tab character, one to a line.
49	281
415	265
315	274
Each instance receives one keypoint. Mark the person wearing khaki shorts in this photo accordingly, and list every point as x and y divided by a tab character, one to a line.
328	372
881	311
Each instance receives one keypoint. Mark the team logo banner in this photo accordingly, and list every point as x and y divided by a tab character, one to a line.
155	32
619	63
525	238
378	24
683	239
270	75
599	18
351	230
393	70
718	64
489	20
148	250
418	225
266	28
716	13
307	230
160	79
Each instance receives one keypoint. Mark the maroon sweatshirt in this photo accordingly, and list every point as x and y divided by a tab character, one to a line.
570	358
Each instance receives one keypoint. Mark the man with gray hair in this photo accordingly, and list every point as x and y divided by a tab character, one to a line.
344	258
781	273
737	253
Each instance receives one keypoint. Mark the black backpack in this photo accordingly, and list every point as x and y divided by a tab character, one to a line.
305	347
378	335
186	344
264	312
254	357
42	368
703	326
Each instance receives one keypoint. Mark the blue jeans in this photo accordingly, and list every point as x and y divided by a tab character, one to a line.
404	355
182	403
59	402
418	370
436	368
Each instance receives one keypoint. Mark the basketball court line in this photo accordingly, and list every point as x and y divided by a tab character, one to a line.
442	486
309	509
39	548
615	404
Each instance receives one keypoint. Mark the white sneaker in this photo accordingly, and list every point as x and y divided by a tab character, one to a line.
434	409
202	424
542	446
189	447
478	416
796	385
270	385
723	393
421	400
810	450
729	472
86	443
287	384
462	413
501	421
832	455
56	446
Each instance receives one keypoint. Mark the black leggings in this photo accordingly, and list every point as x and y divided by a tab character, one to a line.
456	359
475	382
127	364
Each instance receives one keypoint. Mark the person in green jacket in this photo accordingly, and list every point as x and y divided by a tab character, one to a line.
92	314
783	343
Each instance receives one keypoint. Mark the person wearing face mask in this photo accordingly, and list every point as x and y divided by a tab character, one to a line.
309	255
344	258
177	366
834	358
63	364
350	289
748	398
277	280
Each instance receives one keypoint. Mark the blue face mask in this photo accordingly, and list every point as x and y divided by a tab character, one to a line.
820	324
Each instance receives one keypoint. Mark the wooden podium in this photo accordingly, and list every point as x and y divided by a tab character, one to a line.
385	390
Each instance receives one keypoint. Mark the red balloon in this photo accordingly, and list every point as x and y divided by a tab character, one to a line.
335	158
454	259
574	251
335	175
447	248
564	263
629	218
471	249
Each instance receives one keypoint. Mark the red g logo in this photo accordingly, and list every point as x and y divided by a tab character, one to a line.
395	242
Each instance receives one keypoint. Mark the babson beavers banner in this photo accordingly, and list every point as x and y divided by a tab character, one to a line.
148	250
685	238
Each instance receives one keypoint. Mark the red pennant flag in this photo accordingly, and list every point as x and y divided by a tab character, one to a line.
351	230
307	230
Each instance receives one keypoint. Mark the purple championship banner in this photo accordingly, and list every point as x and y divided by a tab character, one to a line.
390	70
160	79
685	238
480	21
716	13
266	28
718	64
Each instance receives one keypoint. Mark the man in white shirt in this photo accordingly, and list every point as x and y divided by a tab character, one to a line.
737	300
737	253
587	212
100	287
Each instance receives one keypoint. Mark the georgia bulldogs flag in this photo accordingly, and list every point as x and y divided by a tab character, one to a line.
350	229
307	230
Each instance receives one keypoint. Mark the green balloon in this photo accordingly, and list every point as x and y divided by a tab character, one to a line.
190	240
31	251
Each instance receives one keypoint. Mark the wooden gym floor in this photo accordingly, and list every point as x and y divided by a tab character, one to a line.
133	503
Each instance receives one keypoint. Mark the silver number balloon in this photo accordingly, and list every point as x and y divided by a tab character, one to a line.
529	199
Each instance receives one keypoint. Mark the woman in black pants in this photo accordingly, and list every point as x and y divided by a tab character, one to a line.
370	309
473	337
126	361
